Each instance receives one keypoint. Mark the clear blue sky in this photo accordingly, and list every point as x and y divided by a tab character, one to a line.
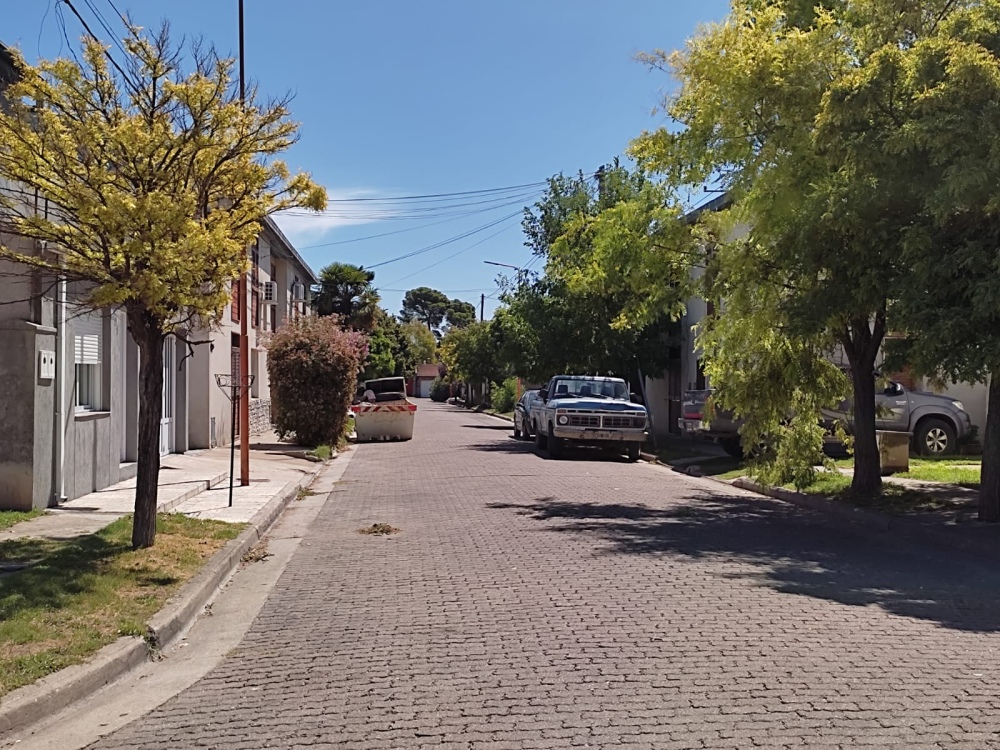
404	98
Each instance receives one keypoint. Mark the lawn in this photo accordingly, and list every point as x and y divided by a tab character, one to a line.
9	517
895	498
73	597
965	476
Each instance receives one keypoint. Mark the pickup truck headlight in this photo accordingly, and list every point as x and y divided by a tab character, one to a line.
958	405
563	419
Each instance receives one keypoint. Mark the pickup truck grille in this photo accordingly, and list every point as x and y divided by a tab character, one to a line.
624	422
584	420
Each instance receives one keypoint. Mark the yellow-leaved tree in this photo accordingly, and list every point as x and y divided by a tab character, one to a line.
155	182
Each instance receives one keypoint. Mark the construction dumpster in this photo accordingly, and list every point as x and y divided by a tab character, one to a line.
384	413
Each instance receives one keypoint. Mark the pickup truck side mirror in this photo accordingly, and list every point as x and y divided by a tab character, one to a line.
543	394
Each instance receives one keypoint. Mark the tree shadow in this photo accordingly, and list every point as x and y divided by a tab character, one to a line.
790	550
45	575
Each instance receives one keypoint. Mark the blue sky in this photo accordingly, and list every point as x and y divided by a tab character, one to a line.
403	98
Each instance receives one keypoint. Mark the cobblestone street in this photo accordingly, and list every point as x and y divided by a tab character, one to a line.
530	603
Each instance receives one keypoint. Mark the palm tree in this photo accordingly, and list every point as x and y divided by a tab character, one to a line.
346	290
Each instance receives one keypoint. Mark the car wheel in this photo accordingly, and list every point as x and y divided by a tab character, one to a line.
633	451
935	437
540	441
527	430
517	430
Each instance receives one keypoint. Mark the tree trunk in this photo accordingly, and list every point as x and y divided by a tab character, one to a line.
989	488
867	464
149	338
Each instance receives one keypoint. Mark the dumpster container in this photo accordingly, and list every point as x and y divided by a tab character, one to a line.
386	414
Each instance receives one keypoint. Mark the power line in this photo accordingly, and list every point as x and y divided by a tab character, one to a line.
387	234
107	54
453	255
508	189
448	241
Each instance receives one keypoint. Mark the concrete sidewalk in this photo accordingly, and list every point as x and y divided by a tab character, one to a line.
194	483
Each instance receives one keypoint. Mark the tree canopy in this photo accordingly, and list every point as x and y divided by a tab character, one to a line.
156	184
346	290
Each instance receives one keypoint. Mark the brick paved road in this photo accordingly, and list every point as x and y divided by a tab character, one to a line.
538	604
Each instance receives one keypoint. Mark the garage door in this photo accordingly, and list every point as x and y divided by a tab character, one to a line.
424	389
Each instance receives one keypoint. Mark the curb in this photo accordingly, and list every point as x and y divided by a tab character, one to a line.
899	526
58	690
203	486
498	416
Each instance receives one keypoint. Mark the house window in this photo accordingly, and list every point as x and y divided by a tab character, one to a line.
255	309
87	347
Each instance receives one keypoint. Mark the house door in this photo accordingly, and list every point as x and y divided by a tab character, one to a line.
167	417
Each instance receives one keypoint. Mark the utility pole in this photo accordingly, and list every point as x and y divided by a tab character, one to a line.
482	307
244	396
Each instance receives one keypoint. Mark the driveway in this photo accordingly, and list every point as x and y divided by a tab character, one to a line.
529	603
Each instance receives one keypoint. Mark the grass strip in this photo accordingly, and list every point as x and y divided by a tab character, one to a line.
61	601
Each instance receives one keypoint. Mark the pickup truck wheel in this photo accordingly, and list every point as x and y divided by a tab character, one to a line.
935	437
556	447
633	451
541	442
733	447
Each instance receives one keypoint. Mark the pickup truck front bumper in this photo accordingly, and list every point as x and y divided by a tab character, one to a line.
593	435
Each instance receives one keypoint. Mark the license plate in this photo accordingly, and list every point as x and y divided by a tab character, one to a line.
600	434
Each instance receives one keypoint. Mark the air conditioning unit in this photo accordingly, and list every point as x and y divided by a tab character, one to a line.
298	292
271	292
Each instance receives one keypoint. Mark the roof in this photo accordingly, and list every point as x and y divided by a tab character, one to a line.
8	71
428	371
716	204
286	249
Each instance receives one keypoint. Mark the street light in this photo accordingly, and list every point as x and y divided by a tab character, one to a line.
505	265
482	297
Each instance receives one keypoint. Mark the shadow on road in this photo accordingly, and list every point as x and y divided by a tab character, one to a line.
789	550
528	446
505	427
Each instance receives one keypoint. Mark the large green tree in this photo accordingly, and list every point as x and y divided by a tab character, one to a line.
567	319
917	118
749	116
429	306
156	183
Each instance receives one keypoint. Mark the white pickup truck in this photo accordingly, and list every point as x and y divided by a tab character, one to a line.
588	410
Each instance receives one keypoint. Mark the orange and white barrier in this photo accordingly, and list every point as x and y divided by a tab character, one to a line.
392	420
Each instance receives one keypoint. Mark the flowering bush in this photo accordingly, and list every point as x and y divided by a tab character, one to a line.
313	365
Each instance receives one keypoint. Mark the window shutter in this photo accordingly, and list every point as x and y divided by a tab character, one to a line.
87	341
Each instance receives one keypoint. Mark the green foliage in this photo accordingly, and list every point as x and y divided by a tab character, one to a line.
313	365
435	310
571	319
440	391
421	344
504	395
471	354
381	362
345	290
758	96
155	183
429	306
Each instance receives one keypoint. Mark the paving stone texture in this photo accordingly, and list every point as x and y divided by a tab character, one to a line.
529	603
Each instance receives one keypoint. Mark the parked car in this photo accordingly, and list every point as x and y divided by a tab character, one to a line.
522	414
588	410
936	422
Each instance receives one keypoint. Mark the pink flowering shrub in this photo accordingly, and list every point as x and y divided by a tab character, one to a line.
313	365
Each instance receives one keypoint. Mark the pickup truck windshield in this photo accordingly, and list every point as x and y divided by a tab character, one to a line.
595	388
